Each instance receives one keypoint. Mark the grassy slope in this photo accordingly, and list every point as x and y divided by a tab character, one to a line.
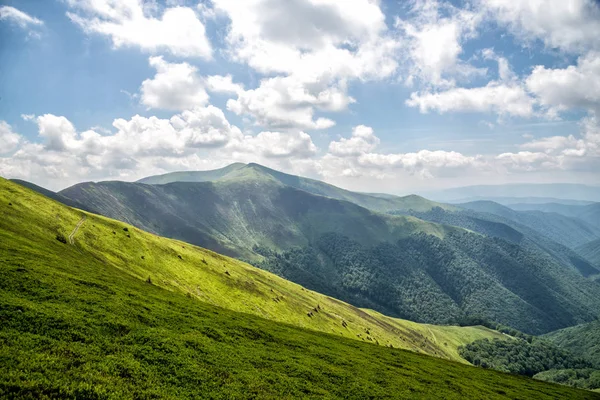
222	281
382	203
582	340
78	323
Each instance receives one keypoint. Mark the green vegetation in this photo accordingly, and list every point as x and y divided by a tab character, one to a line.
218	280
538	358
80	321
582	340
520	356
591	251
513	230
587	378
450	281
399	265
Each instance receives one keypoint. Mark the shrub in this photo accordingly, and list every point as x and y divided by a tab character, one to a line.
61	238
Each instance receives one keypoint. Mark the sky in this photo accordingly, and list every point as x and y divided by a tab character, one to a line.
370	95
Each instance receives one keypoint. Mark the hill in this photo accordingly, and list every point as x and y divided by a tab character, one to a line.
377	202
590	251
567	230
582	340
229	283
399	265
590	213
92	318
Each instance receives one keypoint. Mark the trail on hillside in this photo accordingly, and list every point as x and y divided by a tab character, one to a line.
72	235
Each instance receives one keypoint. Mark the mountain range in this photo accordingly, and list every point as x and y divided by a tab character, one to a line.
326	239
96	308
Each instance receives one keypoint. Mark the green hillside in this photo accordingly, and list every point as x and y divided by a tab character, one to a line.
583	340
399	265
107	313
377	202
223	281
511	228
590	251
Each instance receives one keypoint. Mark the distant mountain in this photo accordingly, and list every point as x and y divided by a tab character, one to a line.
522	201
377	202
567	230
590	251
512	230
399	265
565	191
590	213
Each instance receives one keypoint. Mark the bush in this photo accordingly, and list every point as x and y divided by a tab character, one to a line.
61	238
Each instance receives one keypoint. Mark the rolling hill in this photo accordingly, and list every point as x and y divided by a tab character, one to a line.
398	265
589	213
95	308
570	231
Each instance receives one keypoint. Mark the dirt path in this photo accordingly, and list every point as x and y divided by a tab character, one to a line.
72	235
432	335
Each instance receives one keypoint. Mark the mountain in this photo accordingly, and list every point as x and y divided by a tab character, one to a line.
210	277
590	213
95	308
591	251
398	265
564	191
377	202
567	230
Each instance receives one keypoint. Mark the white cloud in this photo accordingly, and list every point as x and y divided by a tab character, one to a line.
500	98
528	161
577	86
18	17
362	141
315	49
434	34
223	84
131	23
275	145
9	140
174	87
287	103
569	25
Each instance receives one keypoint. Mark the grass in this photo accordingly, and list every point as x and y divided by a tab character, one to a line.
81	321
215	279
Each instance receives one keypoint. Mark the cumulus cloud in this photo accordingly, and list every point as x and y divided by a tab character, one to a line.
434	33
362	141
132	23
286	103
179	86
314	48
503	99
174	87
8	139
571	25
295	145
577	86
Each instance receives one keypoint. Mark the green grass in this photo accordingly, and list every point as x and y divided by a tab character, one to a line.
215	279
81	323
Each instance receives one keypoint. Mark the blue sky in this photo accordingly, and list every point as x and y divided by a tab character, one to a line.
369	95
